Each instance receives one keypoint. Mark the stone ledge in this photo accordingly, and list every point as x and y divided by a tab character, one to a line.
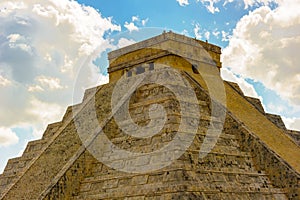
162	38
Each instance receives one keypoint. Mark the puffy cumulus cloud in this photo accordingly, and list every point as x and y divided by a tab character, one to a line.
7	137
135	22
265	46
183	2
43	47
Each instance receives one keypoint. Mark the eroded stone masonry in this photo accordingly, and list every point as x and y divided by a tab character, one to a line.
255	156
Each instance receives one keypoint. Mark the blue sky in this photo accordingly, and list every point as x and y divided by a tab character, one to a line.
44	44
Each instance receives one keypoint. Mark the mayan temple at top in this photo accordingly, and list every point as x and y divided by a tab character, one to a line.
166	126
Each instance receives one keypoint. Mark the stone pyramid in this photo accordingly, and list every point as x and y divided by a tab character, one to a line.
166	126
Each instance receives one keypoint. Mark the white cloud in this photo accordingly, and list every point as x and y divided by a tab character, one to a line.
135	18
197	31
212	8
7	7
225	36
247	88
35	88
44	44
250	3
216	33
131	26
275	108
144	21
4	81
185	32
17	41
50	112
265	46
292	123
183	2
49	82
135	22
14	38
7	137
210	5
207	35
227	1
125	42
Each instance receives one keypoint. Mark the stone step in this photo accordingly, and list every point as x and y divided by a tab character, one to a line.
35	146
230	175
236	87
33	149
12	164
202	196
51	130
16	165
71	112
275	194
90	92
256	103
222	140
202	131
5	182
295	135
120	188
205	196
241	163
277	120
227	150
164	100
8	178
68	114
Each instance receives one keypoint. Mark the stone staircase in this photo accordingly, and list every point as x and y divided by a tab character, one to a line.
275	119
17	166
227	172
215	177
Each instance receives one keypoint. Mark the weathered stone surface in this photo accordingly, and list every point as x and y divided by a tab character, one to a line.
276	119
247	161
295	135
257	103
